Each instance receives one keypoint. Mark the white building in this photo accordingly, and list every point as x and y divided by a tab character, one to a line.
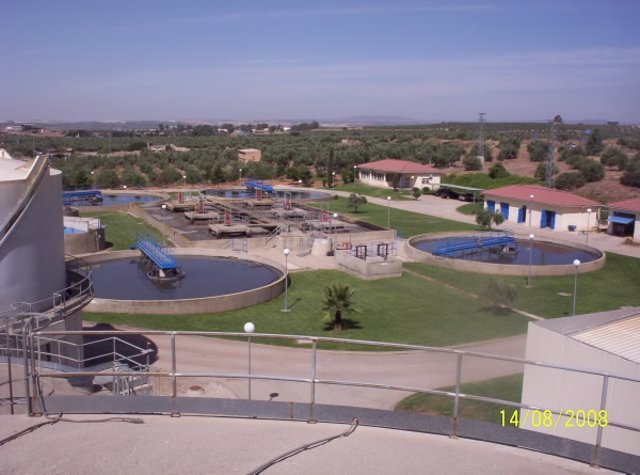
389	172
606	342
541	207
624	218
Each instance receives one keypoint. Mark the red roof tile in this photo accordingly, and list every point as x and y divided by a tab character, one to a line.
398	166
541	195
632	205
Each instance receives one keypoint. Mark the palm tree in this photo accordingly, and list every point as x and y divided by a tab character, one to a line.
338	299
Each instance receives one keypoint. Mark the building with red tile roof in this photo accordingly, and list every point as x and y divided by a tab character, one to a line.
624	218
384	173
541	207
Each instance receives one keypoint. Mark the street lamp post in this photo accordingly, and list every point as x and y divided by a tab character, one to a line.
576	263
333	180
286	280
588	219
249	328
335	232
240	170
530	210
388	212
531	237
355	172
300	188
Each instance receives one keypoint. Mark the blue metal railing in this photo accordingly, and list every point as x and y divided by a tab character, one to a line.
475	244
259	185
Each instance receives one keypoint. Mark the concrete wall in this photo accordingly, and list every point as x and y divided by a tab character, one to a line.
373	268
32	264
499	269
562	390
216	304
84	243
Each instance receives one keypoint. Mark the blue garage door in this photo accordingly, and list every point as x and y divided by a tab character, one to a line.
522	214
504	210
491	206
548	219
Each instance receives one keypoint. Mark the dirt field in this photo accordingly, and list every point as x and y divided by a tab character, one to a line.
607	190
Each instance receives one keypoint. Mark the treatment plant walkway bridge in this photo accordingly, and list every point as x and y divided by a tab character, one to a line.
475	244
158	254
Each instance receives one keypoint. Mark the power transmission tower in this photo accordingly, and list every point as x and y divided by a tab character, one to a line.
551	154
481	138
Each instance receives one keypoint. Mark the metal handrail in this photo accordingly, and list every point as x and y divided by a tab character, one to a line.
313	380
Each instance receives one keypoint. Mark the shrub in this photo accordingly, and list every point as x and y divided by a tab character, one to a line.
541	171
500	294
498	171
538	151
570	181
631	175
614	157
592	170
471	163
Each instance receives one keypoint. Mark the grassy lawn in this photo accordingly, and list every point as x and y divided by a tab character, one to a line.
613	286
122	228
403	310
362	189
469	208
484	181
507	388
406	223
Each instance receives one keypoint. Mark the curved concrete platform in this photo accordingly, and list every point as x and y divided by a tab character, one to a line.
183	445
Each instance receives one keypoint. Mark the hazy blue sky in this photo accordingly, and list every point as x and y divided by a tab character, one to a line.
249	60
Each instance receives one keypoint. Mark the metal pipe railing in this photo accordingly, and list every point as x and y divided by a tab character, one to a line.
461	357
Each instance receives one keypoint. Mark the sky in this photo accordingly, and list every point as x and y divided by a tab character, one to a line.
326	60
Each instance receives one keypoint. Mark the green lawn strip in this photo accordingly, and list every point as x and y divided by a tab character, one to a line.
609	288
507	388
403	310
122	228
368	190
407	223
469	208
485	182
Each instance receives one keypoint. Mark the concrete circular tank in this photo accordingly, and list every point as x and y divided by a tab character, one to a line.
548	257
296	194
214	282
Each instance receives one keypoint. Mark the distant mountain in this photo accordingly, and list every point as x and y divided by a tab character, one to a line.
380	120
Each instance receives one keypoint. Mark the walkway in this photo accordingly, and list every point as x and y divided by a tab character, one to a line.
417	368
190	445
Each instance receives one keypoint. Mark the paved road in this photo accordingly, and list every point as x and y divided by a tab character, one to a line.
417	369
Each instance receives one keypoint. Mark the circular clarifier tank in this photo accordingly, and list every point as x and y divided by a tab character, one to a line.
210	284
280	193
518	257
119	199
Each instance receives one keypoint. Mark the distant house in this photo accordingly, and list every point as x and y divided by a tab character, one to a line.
249	155
390	172
542	207
624	218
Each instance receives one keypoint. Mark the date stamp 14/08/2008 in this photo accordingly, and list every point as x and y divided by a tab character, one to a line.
569	418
